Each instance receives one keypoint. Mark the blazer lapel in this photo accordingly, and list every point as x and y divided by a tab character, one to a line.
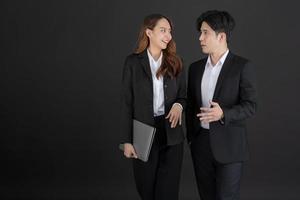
223	73
145	63
199	81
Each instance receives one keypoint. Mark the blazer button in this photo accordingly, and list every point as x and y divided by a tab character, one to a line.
165	86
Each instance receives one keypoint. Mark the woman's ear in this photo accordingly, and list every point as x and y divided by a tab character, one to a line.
148	32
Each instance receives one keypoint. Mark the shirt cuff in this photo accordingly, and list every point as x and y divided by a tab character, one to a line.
178	105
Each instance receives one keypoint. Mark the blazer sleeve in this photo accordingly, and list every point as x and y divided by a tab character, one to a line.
247	105
190	104
181	93
126	103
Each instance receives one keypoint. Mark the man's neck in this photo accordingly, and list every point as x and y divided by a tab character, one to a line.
216	56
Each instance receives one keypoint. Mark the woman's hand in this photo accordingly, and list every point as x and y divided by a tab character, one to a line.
129	151
174	115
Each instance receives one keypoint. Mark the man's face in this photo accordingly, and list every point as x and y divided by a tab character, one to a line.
210	41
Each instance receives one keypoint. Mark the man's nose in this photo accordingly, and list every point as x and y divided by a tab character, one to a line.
200	37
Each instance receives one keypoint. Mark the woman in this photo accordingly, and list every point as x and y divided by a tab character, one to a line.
154	92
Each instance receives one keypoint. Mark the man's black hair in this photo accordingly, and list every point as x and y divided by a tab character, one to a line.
219	21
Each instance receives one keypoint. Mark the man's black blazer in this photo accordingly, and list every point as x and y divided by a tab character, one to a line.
137	97
237	96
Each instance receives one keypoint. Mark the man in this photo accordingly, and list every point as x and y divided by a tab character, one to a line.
221	96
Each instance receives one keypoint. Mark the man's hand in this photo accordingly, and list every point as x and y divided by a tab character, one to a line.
129	151
174	115
208	115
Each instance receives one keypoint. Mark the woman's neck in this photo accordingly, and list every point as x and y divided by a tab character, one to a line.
155	52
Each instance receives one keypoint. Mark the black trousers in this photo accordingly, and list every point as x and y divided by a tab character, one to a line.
158	178
215	181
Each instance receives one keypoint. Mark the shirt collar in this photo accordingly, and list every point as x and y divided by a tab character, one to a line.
152	59
220	62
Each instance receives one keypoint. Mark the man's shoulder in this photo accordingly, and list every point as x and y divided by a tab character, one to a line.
240	60
198	63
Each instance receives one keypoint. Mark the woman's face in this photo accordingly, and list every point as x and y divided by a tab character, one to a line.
160	36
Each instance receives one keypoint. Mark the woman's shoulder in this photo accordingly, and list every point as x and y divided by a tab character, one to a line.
131	61
132	57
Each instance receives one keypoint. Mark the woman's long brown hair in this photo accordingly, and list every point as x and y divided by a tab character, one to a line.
171	63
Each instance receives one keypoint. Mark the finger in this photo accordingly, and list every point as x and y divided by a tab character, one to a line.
131	153
211	120
174	123
168	115
214	118
205	114
177	119
203	118
126	155
202	114
213	103
204	121
171	117
206	118
205	109
180	119
134	155
200	117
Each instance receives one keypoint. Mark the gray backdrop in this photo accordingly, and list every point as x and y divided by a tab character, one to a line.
60	78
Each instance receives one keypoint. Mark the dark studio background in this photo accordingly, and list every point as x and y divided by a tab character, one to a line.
60	78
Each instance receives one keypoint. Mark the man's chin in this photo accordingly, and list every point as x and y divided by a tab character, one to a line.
204	51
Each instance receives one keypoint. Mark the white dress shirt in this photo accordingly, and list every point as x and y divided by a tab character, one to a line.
158	90
209	81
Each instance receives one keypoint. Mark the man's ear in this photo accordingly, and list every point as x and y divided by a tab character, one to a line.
222	36
148	32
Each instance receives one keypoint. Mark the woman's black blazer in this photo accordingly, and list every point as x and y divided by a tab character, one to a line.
137	97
